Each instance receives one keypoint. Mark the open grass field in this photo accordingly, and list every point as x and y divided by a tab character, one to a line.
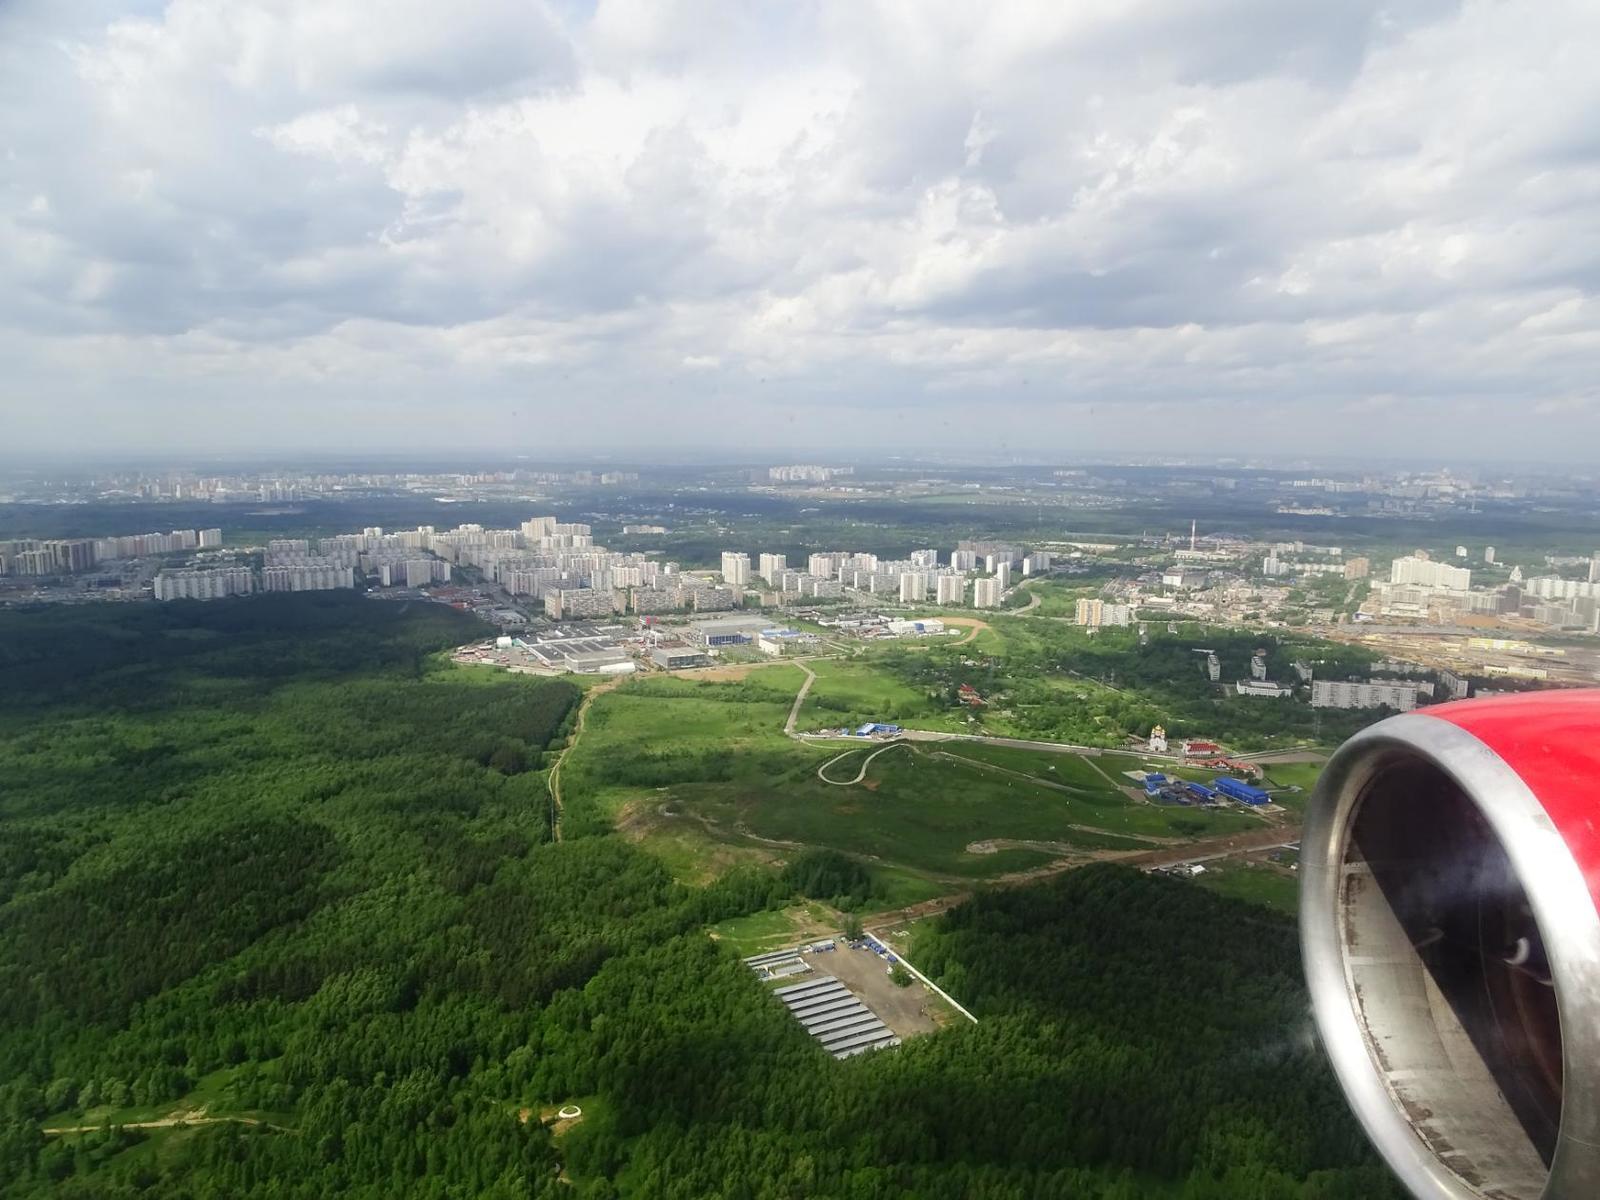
1095	801
852	692
699	772
1254	882
776	930
1059	599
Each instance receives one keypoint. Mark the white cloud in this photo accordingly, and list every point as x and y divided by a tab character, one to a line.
263	217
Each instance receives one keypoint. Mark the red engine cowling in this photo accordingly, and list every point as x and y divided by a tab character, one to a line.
1450	924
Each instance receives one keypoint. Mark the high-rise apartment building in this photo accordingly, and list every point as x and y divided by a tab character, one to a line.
566	603
1426	573
735	569
1095	613
204	585
913	587
311	576
986	593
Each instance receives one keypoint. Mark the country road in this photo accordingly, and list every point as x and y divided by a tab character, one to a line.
1205	850
197	1117
799	699
561	759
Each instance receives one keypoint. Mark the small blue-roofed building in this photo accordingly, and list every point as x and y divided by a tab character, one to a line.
1201	792
1154	781
1237	789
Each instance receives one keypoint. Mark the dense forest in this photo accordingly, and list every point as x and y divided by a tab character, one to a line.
272	866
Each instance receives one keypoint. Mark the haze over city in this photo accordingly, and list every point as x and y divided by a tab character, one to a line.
1004	229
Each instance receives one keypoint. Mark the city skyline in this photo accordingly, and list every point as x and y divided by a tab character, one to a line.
1035	231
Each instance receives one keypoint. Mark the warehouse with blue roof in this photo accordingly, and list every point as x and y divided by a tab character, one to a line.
1237	789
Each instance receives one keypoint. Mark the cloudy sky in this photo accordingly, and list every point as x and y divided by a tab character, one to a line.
548	225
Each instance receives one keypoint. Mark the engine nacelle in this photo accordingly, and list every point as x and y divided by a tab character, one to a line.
1450	924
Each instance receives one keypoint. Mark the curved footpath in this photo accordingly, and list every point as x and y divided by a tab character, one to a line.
862	773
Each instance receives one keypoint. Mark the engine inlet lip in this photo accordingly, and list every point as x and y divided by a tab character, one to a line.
1562	906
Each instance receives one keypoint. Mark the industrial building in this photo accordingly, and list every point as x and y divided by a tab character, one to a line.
733	630
916	628
678	658
1183	579
778	642
830	1012
1244	793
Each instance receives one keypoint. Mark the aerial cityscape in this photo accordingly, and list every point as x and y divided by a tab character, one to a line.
836	702
848	600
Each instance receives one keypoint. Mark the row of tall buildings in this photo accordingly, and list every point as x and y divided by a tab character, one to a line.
66	556
1420	588
912	580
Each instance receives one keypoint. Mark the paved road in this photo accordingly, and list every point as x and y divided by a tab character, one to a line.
929	735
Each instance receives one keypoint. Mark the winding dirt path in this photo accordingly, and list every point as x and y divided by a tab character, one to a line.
197	1117
577	731
862	773
799	699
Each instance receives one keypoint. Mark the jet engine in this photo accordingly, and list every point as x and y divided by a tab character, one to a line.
1450	926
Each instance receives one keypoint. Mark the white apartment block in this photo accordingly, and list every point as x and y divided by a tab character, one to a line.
565	603
1095	613
913	587
307	578
1326	693
204	585
952	589
1427	573
986	593
735	569
825	565
772	566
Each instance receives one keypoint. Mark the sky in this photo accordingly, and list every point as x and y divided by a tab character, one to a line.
1266	226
